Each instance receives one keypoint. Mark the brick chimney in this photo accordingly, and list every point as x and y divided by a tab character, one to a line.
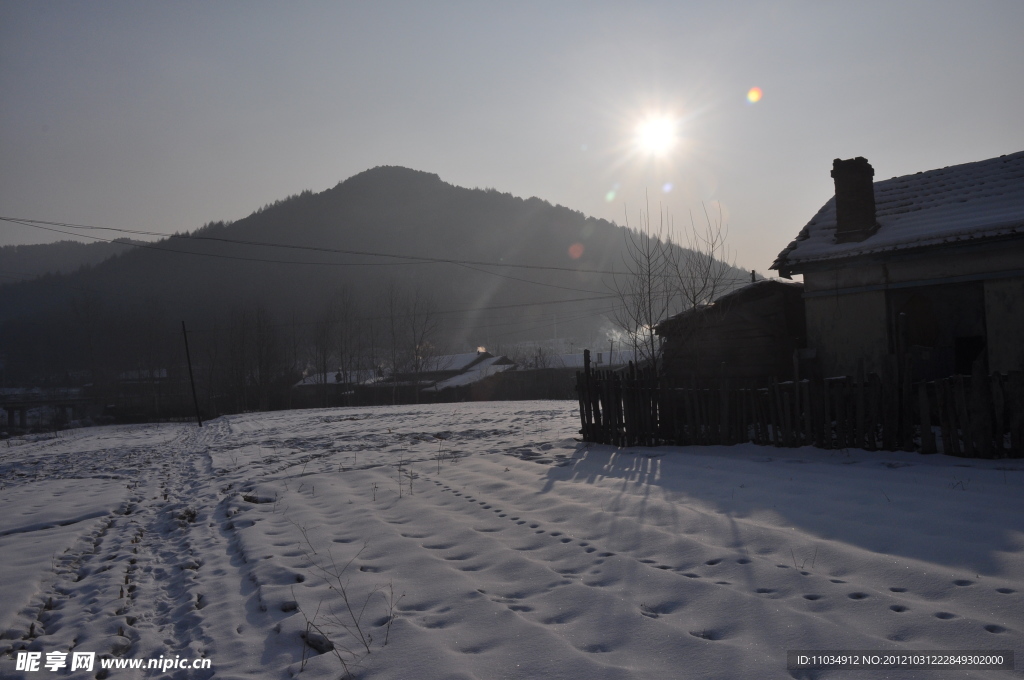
855	199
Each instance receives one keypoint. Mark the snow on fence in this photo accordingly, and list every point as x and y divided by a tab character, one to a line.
976	416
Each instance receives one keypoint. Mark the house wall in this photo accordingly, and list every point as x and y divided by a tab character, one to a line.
850	314
967	262
1004	315
846	328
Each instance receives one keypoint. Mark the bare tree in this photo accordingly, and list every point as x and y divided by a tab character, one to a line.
391	305
423	325
321	346
644	291
346	337
702	268
268	356
238	358
664	277
410	328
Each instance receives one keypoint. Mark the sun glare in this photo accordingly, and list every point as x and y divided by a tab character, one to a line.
656	135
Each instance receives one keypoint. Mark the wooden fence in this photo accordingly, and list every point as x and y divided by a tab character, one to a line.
976	416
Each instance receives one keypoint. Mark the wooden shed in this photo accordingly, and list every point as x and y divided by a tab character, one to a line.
750	333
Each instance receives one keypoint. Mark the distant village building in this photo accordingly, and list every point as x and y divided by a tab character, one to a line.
336	386
472	371
929	265
438	374
750	333
446	367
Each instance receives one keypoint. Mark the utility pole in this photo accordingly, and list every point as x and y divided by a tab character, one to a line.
188	357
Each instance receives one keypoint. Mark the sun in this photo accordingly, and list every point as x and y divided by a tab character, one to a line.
656	135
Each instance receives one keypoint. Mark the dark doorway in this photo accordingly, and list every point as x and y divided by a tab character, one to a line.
943	327
967	350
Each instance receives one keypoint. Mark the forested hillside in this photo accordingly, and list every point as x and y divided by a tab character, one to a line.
385	267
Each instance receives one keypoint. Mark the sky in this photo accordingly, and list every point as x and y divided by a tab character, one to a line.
166	116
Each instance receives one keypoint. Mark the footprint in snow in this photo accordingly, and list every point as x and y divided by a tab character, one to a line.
596	649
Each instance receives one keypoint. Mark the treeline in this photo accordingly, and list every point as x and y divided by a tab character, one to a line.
24	263
133	362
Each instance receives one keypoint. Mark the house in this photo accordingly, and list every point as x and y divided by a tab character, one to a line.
476	371
751	333
439	377
929	265
339	377
440	368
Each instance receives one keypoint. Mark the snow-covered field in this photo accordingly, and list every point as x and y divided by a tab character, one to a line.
483	541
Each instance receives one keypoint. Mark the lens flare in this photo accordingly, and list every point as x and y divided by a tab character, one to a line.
576	251
667	187
754	95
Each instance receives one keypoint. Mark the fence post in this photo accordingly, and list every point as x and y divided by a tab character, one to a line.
859	427
585	404
998	411
773	400
724	434
906	405
925	413
963	415
981	409
890	404
1015	397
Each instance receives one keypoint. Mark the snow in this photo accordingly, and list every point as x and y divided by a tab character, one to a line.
500	546
960	203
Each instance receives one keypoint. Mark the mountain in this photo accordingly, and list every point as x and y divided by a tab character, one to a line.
285	262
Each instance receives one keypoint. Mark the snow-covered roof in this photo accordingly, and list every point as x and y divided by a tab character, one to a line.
484	369
453	362
751	292
959	203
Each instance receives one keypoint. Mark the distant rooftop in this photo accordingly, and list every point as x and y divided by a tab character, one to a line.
968	202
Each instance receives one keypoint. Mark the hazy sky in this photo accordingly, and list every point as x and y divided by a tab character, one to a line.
165	116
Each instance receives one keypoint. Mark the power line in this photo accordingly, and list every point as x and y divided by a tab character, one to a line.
406	259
